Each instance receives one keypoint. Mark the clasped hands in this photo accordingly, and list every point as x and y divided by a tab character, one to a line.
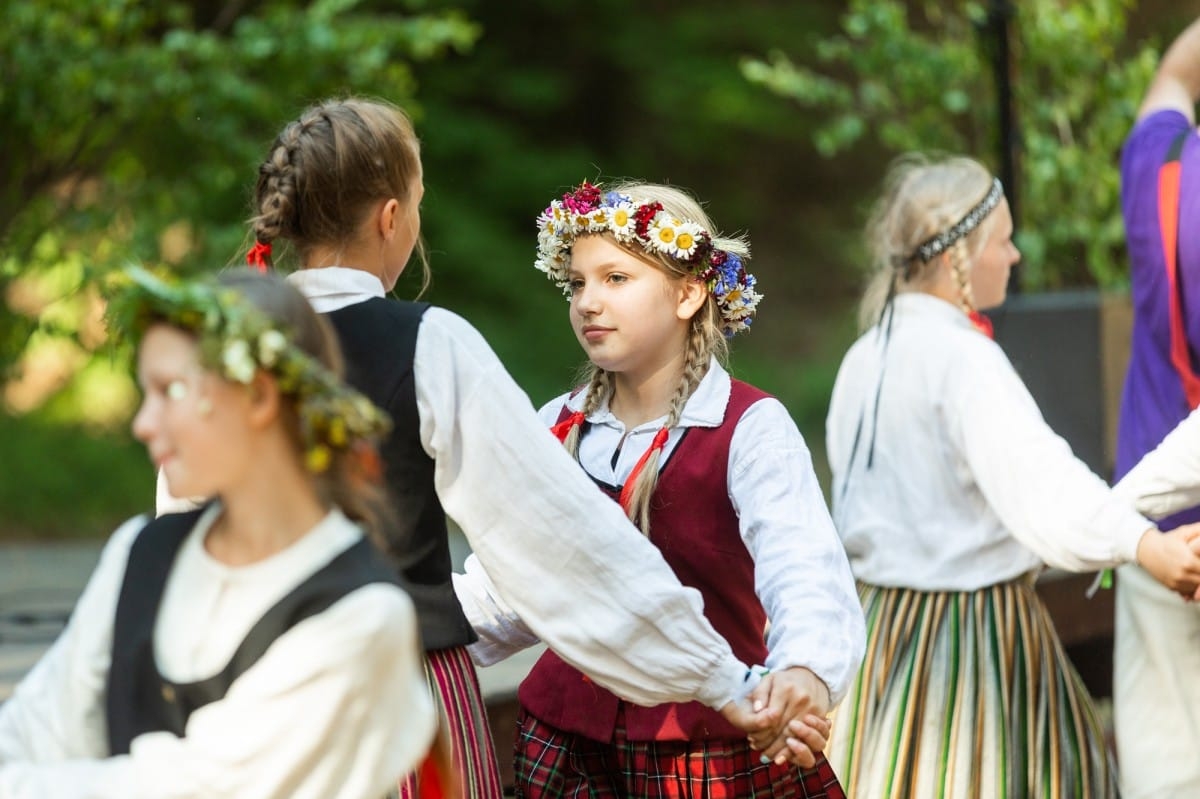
784	717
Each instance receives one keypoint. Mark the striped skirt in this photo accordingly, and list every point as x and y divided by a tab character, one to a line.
552	764
455	687
967	694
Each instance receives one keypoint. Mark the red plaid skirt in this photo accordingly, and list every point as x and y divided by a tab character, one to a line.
551	764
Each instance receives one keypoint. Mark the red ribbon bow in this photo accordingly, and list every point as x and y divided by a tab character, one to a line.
259	256
563	428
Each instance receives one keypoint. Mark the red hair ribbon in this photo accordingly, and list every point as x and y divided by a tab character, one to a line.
259	256
982	324
563	428
660	441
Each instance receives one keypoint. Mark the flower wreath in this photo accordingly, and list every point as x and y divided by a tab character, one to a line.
236	340
589	210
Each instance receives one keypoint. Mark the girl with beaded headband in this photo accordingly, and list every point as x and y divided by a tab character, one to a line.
342	184
717	476
260	645
950	493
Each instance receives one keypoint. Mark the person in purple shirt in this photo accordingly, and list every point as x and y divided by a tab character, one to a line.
1157	655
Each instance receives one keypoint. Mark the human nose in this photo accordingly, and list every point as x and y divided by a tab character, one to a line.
145	420
585	299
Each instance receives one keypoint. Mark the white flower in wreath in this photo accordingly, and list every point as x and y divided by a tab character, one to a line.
688	236
621	222
270	344
661	235
237	361
599	220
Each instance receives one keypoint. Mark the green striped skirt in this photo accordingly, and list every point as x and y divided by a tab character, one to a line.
967	695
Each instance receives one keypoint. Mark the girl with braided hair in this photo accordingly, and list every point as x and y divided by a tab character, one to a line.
949	493
342	185
718	478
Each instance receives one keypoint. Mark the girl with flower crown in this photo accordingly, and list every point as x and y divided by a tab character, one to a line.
257	646
949	493
342	184
718	478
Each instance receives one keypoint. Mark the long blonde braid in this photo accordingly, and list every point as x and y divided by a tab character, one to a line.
695	366
598	388
958	258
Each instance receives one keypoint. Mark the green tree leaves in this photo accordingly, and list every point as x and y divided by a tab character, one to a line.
919	77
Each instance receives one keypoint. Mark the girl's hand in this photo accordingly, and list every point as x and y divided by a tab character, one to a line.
1171	558
801	700
750	721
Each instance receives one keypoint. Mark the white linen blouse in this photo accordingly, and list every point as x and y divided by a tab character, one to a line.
801	574
1167	479
338	705
968	486
602	597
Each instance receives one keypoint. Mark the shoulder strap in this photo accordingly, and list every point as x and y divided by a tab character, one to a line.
129	676
357	566
1168	221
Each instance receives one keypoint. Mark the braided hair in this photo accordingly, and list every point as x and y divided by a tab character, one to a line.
327	168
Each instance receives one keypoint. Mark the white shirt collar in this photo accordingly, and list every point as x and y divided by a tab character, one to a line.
329	288
705	408
929	306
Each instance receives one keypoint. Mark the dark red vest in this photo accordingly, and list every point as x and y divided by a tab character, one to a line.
695	526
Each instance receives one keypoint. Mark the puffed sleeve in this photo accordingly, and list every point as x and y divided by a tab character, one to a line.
1167	479
560	554
336	708
56	713
1045	496
801	573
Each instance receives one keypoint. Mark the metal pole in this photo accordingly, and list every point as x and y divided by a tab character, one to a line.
1000	17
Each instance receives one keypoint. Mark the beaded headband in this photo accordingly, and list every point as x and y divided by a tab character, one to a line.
236	340
937	245
588	210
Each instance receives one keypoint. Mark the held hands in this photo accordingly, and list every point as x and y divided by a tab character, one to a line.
1172	559
786	718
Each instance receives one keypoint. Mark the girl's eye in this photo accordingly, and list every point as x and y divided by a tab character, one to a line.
617	278
574	286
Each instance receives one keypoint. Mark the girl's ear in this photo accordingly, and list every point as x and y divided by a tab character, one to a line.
692	294
265	399
389	218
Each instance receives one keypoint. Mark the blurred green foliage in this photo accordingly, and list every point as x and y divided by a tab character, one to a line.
145	146
919	76
64	481
132	132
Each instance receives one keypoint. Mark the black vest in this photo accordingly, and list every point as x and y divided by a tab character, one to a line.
139	699
379	340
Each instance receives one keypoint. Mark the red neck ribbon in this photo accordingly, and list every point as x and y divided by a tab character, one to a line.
660	441
982	324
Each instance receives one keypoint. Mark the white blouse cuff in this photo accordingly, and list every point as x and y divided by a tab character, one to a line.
732	682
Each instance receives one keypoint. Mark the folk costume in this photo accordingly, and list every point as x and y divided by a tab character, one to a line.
949	493
738	513
180	676
735	511
469	441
